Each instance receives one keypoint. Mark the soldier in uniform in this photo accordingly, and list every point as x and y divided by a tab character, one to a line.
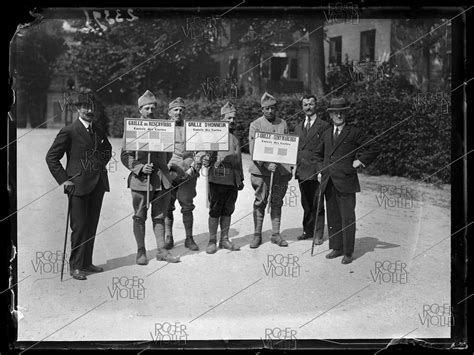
343	148
226	178
160	183
184	167
85	180
261	171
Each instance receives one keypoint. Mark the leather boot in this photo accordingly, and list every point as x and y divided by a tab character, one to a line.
141	257
258	214
225	243
169	242
213	224
165	255
188	227
139	232
275	215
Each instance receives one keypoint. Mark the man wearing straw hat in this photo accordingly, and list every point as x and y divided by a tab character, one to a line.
261	173
184	167
159	184
343	149
226	178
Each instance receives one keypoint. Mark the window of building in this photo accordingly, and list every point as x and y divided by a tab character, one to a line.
335	50
294	68
367	46
277	68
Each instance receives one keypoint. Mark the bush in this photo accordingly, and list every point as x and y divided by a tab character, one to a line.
414	143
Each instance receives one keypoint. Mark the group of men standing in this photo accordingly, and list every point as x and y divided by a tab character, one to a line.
169	176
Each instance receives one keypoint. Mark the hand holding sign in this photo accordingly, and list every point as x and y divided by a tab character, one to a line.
147	168
272	167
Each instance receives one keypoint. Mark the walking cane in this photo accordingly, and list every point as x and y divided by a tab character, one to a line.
148	186
65	235
316	219
270	193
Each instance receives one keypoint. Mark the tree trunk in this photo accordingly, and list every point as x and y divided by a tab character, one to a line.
317	75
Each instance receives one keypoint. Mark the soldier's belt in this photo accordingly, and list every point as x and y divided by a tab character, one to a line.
222	171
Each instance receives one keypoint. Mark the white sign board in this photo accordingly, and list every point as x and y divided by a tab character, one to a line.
275	148
149	135
206	135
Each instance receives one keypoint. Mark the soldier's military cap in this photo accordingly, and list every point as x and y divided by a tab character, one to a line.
228	108
146	99
178	102
267	100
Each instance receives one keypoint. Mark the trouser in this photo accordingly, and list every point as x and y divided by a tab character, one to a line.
340	208
85	213
159	200
309	200
184	193
261	185
222	199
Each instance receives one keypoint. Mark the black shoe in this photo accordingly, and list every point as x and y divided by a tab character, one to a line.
93	268
169	242
334	254
78	274
304	236
347	259
190	244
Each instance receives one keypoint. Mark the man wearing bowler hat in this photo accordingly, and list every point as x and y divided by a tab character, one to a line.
184	168
85	180
310	130
160	183
261	172
343	149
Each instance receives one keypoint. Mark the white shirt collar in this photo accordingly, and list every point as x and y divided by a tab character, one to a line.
311	119
339	128
85	123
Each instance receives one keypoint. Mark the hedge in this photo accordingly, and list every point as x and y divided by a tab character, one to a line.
414	136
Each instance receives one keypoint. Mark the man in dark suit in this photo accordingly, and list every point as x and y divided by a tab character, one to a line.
341	151
85	180
310	131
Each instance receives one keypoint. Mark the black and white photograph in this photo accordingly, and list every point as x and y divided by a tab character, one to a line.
237	176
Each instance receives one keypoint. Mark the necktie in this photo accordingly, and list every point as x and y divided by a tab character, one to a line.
89	130
336	133
307	124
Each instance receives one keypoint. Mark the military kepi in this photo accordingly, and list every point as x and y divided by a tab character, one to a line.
338	103
227	108
146	99
267	100
178	102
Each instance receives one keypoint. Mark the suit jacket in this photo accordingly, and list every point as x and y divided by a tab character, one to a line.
263	125
134	161
86	157
335	158
306	164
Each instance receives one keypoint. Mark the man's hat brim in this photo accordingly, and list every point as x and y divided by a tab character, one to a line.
338	108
